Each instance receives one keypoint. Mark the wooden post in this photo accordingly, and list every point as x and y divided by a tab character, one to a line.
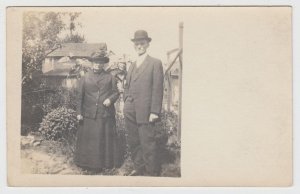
180	78
170	91
168	85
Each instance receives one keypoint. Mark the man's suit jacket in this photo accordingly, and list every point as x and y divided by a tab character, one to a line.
93	89
145	88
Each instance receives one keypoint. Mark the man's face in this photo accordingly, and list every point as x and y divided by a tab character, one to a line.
141	46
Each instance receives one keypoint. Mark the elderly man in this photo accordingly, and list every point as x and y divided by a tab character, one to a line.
143	97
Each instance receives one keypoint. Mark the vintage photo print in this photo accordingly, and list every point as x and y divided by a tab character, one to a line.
149	96
98	103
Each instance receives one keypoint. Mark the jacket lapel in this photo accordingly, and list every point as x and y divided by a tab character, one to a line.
101	77
142	68
129	74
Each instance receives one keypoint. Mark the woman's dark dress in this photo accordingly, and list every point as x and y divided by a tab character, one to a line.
97	146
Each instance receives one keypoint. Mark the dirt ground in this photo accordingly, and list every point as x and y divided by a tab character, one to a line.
40	156
48	157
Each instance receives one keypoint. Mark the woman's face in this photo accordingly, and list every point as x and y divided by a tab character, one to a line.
97	67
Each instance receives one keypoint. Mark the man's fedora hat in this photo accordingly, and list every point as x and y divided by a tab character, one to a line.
141	35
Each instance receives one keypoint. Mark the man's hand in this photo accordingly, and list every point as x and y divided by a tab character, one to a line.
79	117
153	118
107	102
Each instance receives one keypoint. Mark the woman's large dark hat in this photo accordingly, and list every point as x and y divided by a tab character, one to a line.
141	35
100	55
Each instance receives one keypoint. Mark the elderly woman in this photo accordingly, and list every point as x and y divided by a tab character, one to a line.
96	147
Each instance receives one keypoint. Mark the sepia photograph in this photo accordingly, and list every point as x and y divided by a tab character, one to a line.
96	101
149	96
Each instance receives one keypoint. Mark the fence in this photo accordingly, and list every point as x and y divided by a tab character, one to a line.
168	78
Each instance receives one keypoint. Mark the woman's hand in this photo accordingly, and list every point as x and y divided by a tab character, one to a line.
107	102
79	117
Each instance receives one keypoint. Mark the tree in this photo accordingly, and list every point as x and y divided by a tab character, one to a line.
73	38
41	32
41	36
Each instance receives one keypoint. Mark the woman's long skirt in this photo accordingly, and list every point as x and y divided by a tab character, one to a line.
97	144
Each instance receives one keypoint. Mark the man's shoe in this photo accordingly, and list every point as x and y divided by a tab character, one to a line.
133	173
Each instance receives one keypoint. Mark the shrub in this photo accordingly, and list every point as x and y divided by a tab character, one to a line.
60	125
40	102
168	144
58	98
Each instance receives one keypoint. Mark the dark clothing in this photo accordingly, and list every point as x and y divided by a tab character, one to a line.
145	87
93	89
97	145
143	95
142	145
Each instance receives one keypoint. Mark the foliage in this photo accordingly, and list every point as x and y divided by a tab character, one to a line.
41	32
170	125
38	103
74	38
168	144
72	23
58	98
60	125
41	36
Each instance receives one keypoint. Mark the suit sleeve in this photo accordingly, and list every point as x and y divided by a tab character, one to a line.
80	95
157	88
115	92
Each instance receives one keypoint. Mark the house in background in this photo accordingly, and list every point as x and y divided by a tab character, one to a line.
58	64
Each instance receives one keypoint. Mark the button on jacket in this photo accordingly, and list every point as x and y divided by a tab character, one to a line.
93	89
144	87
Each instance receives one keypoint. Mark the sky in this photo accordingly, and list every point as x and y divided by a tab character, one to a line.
116	27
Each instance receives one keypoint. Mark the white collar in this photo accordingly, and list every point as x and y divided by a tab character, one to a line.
140	58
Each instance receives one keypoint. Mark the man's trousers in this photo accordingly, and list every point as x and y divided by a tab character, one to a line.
142	144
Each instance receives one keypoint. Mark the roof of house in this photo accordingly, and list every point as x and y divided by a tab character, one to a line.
75	49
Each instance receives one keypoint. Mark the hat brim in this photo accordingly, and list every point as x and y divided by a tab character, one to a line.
137	39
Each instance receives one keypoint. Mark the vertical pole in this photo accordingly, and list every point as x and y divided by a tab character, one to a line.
168	87
180	78
170	90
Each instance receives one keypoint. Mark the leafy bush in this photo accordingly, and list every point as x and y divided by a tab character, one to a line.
170	125
58	98
168	144
60	125
37	103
